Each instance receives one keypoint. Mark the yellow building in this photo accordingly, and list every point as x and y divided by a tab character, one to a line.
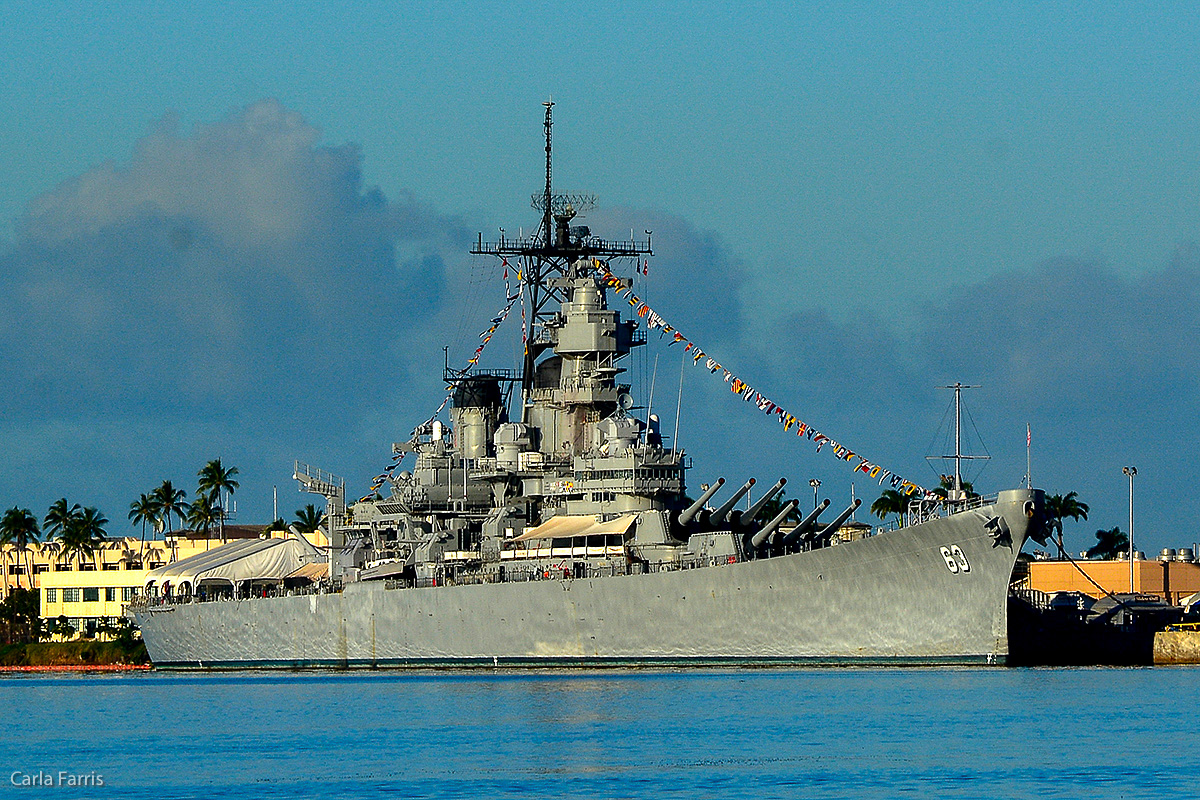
98	588
1170	581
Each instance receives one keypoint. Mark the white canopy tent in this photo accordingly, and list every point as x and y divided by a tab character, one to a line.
233	563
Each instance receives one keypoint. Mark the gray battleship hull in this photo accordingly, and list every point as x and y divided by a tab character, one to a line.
897	597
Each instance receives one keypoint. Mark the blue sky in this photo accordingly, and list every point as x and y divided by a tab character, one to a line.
240	231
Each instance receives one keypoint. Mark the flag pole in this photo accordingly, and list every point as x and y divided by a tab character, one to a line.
1028	456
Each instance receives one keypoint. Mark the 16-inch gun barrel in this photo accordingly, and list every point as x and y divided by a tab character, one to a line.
760	538
689	513
752	512
837	522
718	516
795	533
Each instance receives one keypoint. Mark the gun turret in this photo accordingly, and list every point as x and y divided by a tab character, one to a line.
689	513
760	538
805	524
718	516
828	530
747	518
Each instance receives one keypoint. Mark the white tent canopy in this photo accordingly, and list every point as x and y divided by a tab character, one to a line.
249	559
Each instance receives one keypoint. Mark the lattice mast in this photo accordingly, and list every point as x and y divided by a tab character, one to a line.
556	250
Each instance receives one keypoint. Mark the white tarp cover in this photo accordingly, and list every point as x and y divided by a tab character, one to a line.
238	561
566	526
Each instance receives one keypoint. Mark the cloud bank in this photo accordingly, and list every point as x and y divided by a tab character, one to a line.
237	290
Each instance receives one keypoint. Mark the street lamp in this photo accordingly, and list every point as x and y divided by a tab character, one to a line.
1130	472
816	484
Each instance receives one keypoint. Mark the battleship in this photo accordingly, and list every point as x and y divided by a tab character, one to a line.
546	524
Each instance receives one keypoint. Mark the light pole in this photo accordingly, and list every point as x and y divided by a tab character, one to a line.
1130	472
816	484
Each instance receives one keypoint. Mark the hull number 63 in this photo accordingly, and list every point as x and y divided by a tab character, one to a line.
956	561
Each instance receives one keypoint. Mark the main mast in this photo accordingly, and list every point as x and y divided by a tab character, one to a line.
548	259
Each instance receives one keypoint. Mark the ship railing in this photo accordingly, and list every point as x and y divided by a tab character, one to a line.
159	601
566	570
1034	597
925	510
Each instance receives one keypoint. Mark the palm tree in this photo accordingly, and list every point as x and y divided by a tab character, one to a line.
890	502
60	517
215	480
308	519
1059	507
203	514
1109	544
170	501
19	527
144	509
82	534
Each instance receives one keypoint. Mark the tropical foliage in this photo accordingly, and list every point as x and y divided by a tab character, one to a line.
145	511
1061	506
772	507
217	482
19	528
1109	544
308	519
203	514
890	502
170	501
82	533
19	617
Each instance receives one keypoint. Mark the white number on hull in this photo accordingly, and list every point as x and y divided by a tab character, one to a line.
956	560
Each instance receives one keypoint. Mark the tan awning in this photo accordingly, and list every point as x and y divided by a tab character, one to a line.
566	526
313	572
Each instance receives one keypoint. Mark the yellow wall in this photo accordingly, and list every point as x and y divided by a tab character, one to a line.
1170	581
111	566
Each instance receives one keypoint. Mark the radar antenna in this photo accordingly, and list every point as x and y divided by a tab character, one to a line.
557	251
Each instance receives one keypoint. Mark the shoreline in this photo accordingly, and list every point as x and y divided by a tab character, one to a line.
74	668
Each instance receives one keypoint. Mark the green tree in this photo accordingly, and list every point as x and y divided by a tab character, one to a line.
203	514
19	616
59	524
60	626
170	501
217	482
1109	544
19	528
83	534
890	502
142	511
1061	506
772	507
59	517
309	519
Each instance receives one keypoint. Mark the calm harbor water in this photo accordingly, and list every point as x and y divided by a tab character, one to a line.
827	733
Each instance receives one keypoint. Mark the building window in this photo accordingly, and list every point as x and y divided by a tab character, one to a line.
38	569
52	595
91	594
70	595
110	594
128	592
